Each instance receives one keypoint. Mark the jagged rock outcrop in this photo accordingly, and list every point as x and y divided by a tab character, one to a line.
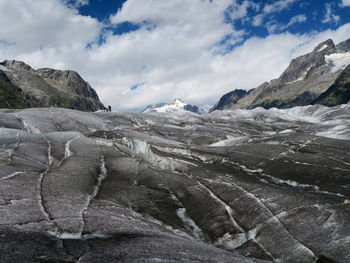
305	79
229	99
45	87
235	186
12	96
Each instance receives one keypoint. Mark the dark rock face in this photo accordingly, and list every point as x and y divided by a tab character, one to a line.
12	96
305	79
130	187
229	99
338	93
192	108
47	87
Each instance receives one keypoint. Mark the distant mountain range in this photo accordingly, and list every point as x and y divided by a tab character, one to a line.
319	77
176	106
23	87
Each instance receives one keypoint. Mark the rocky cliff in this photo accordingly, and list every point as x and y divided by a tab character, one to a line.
305	79
23	87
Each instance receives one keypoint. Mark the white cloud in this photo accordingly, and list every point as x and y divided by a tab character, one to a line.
258	20
268	10
296	19
30	25
273	26
75	3
278	6
239	10
345	3
177	58
329	16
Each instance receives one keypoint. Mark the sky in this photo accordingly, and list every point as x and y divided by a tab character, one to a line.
140	52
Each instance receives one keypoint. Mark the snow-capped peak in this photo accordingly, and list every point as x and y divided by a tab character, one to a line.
178	102
176	106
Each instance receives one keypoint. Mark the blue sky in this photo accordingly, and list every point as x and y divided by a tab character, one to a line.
310	16
140	52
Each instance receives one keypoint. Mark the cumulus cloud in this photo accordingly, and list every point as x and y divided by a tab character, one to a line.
76	3
278	6
345	3
240	10
174	53
30	25
330	16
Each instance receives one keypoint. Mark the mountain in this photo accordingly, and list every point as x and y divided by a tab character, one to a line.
176	106
338	93
229	99
23	87
305	79
11	96
153	106
238	186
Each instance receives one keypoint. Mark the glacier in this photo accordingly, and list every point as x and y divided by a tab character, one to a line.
230	186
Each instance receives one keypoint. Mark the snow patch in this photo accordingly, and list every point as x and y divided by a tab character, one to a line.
338	61
303	75
322	48
3	68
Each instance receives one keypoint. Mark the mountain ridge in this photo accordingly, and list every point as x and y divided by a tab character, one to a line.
303	81
45	87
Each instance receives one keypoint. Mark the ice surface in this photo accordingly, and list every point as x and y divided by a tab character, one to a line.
77	236
230	141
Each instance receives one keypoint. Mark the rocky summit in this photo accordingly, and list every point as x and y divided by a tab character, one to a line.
233	186
23	87
308	79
